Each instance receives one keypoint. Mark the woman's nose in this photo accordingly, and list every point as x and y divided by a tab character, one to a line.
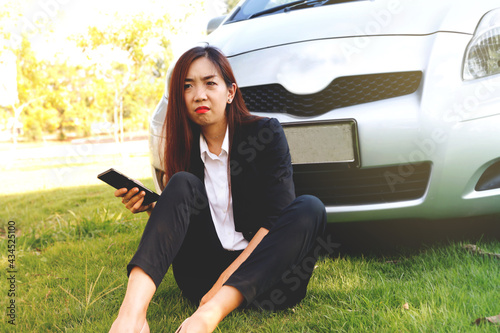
200	94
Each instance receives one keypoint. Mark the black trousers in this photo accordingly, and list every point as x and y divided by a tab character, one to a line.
180	232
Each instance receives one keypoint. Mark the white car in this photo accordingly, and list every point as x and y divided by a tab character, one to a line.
391	107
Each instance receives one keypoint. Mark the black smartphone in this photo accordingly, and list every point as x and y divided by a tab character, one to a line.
119	180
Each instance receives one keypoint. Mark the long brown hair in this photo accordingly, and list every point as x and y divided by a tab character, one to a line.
179	131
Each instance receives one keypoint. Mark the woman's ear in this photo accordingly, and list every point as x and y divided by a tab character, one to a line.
231	92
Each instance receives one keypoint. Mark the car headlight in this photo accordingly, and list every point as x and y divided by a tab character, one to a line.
482	57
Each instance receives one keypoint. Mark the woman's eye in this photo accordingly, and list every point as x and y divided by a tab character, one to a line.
186	86
211	83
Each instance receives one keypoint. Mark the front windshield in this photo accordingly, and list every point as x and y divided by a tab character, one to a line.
251	8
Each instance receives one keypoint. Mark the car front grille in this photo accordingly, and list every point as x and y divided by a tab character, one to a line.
341	92
337	186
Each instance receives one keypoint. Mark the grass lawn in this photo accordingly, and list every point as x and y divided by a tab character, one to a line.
72	247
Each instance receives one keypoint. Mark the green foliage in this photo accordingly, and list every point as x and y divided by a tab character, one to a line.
124	73
129	58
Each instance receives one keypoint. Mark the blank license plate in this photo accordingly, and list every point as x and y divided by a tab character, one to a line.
322	142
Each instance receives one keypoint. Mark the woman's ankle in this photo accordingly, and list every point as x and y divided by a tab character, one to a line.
140	290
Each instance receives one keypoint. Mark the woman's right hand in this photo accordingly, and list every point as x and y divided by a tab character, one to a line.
133	200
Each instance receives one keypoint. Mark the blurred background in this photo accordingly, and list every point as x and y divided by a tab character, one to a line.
79	79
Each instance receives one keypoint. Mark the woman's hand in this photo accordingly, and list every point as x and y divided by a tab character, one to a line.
133	200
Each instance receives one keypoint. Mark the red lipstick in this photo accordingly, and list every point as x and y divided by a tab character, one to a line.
202	109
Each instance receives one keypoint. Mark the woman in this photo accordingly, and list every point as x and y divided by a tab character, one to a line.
228	220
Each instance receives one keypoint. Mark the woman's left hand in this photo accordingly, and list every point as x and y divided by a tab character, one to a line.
133	200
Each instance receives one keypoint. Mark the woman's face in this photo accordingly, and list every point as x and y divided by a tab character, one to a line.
206	94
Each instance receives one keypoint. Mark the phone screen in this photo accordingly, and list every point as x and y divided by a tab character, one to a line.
119	180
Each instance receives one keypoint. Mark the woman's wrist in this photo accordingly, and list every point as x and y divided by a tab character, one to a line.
150	208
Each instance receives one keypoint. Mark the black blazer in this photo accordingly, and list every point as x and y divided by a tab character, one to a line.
261	174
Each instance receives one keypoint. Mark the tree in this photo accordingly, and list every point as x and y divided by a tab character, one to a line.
52	95
8	90
130	56
32	84
28	83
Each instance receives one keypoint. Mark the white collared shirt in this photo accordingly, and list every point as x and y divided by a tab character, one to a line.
217	186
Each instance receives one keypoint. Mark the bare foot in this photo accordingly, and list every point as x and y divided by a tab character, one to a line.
127	324
196	324
210	314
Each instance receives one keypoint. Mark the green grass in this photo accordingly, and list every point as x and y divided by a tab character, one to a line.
73	245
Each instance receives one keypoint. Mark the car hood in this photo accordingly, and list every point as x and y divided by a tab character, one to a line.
352	19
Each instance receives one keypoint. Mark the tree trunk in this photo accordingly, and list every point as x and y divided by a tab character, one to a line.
115	117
